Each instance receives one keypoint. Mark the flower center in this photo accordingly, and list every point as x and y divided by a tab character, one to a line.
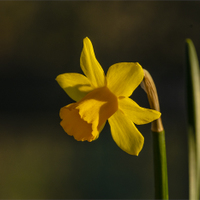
85	119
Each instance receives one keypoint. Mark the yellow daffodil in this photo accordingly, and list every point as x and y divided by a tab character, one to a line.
100	98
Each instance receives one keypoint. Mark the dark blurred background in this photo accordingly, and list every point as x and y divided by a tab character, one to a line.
40	40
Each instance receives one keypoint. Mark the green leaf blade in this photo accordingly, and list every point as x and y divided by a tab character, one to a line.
193	104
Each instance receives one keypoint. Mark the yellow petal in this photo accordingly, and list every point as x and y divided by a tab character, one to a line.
85	119
123	78
90	66
136	113
74	84
125	134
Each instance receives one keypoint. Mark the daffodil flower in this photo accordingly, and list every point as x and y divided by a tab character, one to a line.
100	98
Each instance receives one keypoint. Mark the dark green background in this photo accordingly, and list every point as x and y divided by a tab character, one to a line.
38	41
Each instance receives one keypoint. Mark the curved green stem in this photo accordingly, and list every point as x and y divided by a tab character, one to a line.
159	147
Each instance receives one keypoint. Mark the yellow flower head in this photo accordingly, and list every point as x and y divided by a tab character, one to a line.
100	98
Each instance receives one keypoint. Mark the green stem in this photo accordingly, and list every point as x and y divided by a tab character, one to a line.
160	165
159	147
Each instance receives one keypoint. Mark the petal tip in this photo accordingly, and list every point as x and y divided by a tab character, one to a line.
57	77
86	39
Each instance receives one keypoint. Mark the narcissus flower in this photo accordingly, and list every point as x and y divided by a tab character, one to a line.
100	98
